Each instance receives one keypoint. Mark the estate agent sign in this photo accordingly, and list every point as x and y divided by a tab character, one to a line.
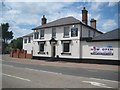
107	50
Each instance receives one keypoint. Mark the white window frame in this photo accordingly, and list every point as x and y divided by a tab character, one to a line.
54	32
66	30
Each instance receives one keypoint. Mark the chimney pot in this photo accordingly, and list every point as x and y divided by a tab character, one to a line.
44	20
84	16
93	23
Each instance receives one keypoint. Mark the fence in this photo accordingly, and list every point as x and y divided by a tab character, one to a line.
20	54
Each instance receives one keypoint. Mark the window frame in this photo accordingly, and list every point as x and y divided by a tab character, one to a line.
36	35
64	48
54	32
41	45
29	39
89	33
25	40
42	33
66	31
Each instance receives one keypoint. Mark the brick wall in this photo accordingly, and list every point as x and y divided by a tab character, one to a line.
20	54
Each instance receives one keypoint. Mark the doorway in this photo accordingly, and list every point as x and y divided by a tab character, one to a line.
53	50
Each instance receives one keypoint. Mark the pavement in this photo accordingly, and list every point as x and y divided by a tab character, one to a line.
62	63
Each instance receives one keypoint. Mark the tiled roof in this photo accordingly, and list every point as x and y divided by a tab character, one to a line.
63	21
111	35
59	22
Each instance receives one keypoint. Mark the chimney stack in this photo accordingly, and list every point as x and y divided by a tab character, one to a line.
84	16
93	23
44	20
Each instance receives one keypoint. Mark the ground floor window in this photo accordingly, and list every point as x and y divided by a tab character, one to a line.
66	47
41	47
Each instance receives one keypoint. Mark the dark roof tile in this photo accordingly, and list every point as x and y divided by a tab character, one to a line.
111	35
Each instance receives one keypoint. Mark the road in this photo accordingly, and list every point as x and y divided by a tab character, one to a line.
21	75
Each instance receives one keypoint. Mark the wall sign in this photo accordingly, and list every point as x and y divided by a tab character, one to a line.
108	50
74	32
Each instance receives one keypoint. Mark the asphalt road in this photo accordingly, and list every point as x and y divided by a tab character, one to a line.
19	75
85	72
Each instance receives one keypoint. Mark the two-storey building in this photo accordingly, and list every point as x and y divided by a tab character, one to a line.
62	38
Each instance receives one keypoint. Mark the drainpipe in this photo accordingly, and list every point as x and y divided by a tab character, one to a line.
80	41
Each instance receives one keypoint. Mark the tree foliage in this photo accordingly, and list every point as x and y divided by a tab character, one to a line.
17	43
6	35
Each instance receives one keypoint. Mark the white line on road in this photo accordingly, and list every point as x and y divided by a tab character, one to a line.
104	80
16	77
8	65
44	71
97	84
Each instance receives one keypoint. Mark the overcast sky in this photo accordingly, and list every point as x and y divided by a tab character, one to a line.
23	16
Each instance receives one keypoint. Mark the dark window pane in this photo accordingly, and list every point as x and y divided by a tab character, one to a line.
66	47
41	33
53	32
29	39
36	35
41	47
66	31
25	40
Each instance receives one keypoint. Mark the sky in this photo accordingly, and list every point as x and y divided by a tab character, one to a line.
23	16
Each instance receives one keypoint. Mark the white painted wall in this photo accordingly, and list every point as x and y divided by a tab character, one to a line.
86	48
28	46
85	32
74	46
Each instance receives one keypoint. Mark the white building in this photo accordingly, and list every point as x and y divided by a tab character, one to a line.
28	43
67	38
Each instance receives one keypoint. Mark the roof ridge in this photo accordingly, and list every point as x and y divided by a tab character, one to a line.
62	18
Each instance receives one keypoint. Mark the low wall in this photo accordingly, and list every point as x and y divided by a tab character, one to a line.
20	54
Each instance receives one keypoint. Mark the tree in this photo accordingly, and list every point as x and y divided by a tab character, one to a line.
16	43
6	35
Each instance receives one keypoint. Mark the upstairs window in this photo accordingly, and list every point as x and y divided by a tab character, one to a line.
53	32
88	33
66	31
25	40
94	34
74	32
29	39
36	35
42	33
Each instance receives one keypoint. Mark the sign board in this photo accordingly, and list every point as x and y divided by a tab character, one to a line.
108	50
74	32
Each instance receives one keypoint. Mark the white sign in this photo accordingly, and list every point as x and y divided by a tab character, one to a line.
108	50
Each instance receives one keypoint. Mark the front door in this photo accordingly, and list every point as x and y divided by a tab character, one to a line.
53	51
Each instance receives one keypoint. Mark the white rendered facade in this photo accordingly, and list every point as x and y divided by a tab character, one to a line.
74	42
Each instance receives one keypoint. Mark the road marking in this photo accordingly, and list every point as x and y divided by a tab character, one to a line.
44	71
97	84
8	65
104	80
92	70
16	77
